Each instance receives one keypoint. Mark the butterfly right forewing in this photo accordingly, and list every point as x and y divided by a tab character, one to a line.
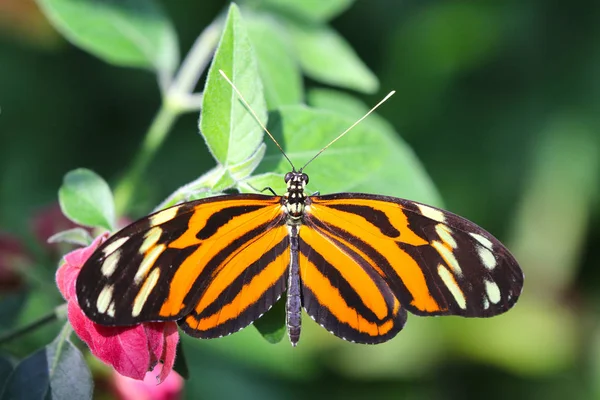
437	263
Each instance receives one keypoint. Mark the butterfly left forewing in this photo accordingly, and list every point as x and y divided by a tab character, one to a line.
157	268
437	263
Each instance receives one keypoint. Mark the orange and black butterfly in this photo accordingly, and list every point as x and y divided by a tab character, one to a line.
355	262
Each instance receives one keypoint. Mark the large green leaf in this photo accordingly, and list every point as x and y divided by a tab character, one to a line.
86	199
231	132
326	57
278	67
6	369
58	371
263	182
272	324
402	174
368	159
315	10
134	33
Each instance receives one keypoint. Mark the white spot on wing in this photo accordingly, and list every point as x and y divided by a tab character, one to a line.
445	234
482	240
448	256
114	245
486	303
431	213
110	264
111	309
487	257
147	263
493	291
104	299
144	292
163	216
452	286
150	239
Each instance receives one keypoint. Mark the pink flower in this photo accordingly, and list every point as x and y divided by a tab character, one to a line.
130	389
130	350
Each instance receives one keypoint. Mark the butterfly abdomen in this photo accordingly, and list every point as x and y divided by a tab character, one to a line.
294	300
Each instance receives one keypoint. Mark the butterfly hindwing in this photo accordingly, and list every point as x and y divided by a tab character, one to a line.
241	286
159	267
435	262
343	293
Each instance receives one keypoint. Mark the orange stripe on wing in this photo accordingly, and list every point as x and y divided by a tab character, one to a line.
190	269
329	296
350	270
405	267
250	293
236	264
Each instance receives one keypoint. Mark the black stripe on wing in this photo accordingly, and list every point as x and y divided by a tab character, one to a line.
335	282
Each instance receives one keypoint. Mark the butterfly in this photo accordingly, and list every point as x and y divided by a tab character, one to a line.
356	263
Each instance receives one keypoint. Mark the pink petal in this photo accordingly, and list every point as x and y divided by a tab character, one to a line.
66	277
79	257
125	348
67	273
129	389
170	350
80	323
155	333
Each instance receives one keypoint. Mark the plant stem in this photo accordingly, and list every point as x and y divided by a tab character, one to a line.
197	59
156	135
53	316
177	99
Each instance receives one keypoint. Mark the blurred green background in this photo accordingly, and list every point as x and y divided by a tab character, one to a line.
499	100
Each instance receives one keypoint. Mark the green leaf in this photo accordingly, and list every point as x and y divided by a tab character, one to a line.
231	132
401	174
315	10
368	159
257	183
245	168
210	184
6	369
86	199
326	57
279	70
78	236
58	371
272	324
132	33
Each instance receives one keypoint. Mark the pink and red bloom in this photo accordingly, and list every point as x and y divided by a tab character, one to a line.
130	350
131	389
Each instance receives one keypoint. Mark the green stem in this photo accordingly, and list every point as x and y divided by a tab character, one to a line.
156	135
197	59
55	315
177	99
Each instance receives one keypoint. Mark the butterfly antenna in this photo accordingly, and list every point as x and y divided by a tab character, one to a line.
347	130
256	117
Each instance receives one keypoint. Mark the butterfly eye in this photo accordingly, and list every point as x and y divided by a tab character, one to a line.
287	177
305	178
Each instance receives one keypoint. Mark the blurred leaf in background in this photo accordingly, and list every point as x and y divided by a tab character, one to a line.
495	113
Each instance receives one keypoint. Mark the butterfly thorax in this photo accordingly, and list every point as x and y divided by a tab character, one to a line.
294	197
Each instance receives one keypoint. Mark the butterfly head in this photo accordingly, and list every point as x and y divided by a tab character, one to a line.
294	197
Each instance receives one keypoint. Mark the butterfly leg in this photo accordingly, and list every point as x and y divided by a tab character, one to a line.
270	190
294	302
